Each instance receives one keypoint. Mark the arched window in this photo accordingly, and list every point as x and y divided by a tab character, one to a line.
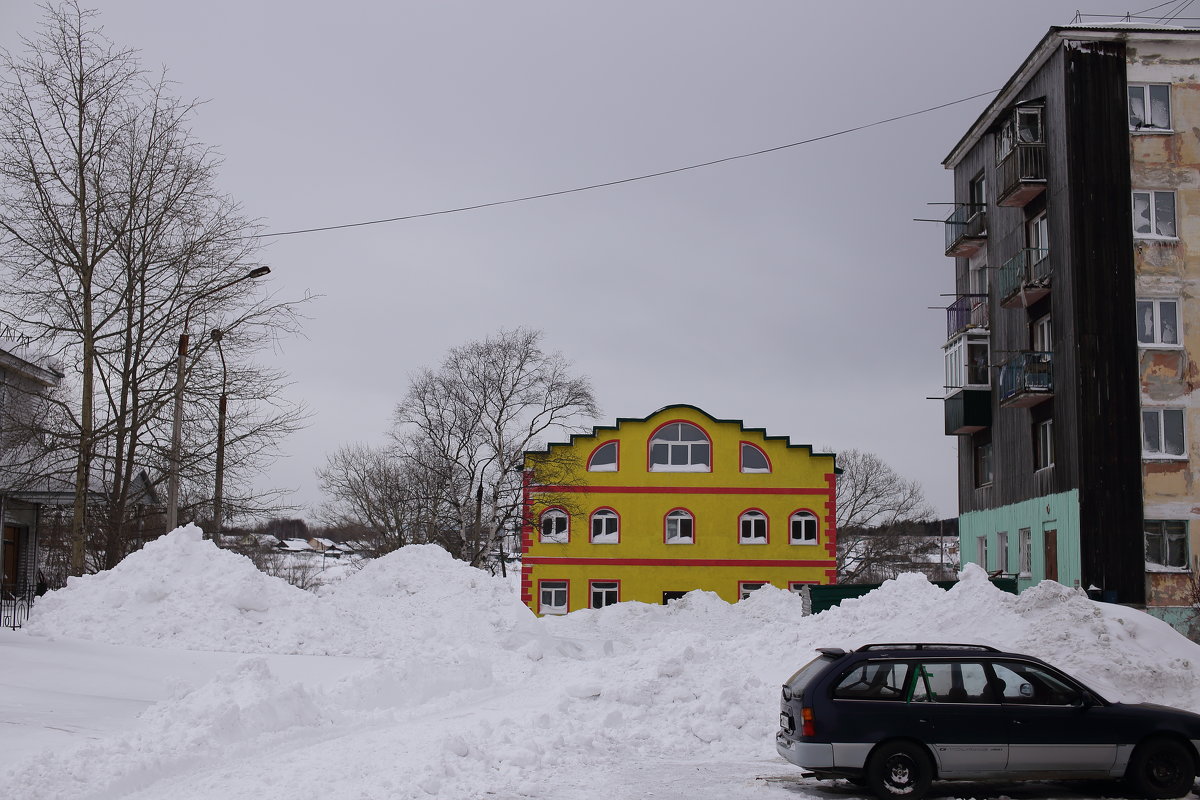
680	447
605	527
604	458
555	526
754	459
680	527
802	528
752	527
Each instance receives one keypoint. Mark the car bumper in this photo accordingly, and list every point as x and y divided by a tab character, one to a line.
810	755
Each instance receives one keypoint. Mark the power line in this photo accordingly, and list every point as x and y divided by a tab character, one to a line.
624	180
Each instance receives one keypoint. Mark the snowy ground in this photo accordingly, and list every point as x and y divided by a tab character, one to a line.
186	673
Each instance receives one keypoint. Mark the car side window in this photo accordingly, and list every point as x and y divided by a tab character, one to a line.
953	682
1031	685
880	680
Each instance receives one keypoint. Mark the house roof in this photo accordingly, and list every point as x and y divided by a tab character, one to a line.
1040	55
599	429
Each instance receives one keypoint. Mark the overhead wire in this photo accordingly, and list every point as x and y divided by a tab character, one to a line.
621	181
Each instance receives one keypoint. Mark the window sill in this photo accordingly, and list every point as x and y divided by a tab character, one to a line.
1146	237
1161	457
803	544
1151	131
675	543
1158	346
760	543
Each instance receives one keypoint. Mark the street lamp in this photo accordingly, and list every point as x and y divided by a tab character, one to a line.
177	424
218	515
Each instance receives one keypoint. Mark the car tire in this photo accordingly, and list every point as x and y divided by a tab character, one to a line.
899	770
1160	769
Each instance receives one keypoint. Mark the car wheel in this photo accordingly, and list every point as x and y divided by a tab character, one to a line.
1161	768
899	769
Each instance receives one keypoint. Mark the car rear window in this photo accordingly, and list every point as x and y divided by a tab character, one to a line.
873	680
805	674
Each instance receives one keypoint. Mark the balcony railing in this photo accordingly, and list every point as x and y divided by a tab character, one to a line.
967	311
1025	278
966	230
1022	174
1027	379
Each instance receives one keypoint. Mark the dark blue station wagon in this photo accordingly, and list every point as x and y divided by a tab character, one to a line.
896	717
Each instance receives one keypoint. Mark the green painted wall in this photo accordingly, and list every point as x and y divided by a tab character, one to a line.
1057	511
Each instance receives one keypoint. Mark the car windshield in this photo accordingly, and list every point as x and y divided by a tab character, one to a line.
805	674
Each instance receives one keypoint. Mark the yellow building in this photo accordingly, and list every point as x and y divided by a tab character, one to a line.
650	509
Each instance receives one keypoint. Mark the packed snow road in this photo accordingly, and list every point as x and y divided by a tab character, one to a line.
186	673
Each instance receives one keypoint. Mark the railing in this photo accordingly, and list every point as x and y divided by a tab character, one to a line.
967	222
1029	267
1027	373
967	311
1025	163
14	608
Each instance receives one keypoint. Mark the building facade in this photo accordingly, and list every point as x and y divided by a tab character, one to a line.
1071	342
650	509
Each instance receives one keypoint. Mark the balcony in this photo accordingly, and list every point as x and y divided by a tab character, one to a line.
968	411
1022	175
1025	278
1027	379
966	312
966	231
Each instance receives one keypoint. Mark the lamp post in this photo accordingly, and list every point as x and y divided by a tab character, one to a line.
177	424
218	515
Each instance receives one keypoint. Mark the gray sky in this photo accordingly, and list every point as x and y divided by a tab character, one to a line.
789	290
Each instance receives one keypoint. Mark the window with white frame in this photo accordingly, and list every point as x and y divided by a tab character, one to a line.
1158	322
555	526
680	447
752	528
1037	235
1154	214
802	528
604	459
1149	107
1025	551
680	527
1042	335
604	593
605	527
981	548
1163	433
966	360
746	587
754	459
1002	552
552	597
1166	544
1043	444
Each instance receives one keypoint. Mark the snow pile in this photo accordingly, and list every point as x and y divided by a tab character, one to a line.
482	699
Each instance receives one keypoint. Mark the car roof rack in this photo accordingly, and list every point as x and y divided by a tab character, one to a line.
925	646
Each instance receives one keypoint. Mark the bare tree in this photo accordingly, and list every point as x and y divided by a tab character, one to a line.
873	503
112	232
466	425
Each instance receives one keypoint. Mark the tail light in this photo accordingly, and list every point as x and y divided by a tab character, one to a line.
807	725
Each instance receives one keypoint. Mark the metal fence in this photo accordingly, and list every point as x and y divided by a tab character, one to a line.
14	608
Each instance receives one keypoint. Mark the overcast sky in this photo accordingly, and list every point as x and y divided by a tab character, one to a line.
789	290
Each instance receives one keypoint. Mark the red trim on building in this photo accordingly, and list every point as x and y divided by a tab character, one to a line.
597	489
677	562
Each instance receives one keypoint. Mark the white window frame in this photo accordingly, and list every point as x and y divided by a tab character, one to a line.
1184	561
1002	552
557	537
744	446
1042	340
1043	446
752	516
746	587
1157	418
678	447
672	534
809	528
548	609
1154	306
1152	197
1025	552
1144	90
608	515
958	369
981	555
1037	233
609	591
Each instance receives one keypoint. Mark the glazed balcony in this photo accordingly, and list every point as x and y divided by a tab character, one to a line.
1025	278
966	231
1022	175
968	311
1027	379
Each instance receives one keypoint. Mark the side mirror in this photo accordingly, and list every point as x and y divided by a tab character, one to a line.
1026	690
